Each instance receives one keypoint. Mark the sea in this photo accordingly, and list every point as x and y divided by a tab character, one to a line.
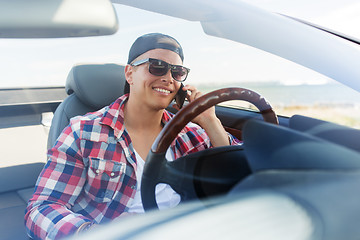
303	94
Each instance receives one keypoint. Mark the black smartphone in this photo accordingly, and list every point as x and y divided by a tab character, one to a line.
180	96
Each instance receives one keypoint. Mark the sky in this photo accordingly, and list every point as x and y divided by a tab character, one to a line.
46	62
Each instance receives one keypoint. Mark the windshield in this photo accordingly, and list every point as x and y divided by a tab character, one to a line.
214	62
341	16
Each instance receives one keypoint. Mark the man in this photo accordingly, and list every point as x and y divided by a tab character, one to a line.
93	173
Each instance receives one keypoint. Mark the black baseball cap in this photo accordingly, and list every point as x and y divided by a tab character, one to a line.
152	41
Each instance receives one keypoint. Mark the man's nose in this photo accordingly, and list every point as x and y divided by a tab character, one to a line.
168	77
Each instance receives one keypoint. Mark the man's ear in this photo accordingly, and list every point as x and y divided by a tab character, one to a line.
128	74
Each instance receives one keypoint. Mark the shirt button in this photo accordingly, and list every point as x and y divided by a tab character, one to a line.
112	174
97	171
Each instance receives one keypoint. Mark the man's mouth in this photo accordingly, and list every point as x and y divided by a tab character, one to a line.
162	90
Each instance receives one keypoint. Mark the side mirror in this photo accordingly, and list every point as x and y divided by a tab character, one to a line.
56	18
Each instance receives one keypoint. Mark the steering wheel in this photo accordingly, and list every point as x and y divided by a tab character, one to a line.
186	174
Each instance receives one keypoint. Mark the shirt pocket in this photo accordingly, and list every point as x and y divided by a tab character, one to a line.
104	179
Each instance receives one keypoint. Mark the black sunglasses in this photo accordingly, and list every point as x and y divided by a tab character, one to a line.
159	67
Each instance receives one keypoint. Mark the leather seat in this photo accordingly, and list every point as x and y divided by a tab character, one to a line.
90	87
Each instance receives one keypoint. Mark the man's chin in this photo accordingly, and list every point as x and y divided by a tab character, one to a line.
159	106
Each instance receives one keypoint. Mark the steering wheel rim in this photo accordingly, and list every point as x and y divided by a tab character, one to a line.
156	161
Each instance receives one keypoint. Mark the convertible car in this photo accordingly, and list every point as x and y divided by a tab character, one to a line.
296	174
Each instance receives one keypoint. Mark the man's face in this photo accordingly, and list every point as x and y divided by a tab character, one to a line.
154	91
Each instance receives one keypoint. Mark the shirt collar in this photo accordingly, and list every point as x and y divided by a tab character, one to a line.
114	116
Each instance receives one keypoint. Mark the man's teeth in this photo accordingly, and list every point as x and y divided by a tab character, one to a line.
161	90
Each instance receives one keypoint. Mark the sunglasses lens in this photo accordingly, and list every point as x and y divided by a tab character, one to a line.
158	67
179	73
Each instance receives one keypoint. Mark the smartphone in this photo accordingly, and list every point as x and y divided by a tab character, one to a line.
180	96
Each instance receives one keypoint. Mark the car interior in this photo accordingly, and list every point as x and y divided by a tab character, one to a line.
297	167
86	93
207	173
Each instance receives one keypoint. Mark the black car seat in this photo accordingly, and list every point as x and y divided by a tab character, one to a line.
90	87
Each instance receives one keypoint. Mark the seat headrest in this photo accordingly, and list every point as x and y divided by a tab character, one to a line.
96	85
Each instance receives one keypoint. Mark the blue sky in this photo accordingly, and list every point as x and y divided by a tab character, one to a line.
47	61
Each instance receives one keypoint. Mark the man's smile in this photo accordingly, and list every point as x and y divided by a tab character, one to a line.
162	90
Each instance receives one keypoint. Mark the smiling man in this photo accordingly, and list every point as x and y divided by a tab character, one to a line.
93	173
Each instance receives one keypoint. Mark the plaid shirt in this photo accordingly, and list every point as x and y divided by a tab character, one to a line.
90	174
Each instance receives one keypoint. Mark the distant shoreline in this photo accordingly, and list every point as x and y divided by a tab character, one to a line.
303	94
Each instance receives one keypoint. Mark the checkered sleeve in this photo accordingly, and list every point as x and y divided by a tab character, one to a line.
233	140
193	139
48	214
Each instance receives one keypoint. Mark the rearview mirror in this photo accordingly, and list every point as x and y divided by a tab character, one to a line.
56	18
